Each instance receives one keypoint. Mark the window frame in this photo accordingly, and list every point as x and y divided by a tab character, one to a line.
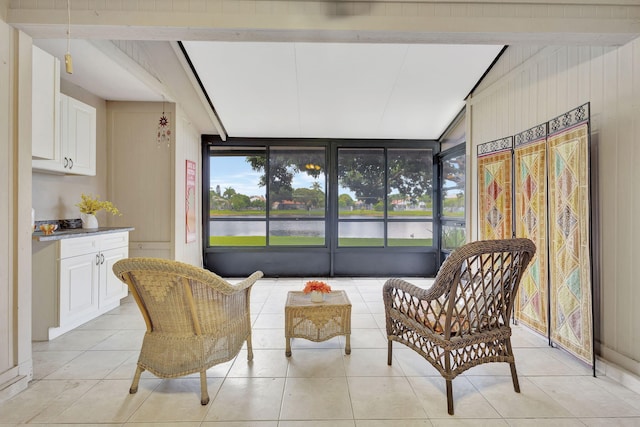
347	261
443	220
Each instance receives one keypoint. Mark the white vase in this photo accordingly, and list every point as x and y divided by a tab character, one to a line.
317	296
89	220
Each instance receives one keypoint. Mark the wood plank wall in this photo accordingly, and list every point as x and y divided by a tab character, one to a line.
530	85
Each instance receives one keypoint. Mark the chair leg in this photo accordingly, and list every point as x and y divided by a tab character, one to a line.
512	365
449	397
514	377
204	394
136	379
249	348
389	351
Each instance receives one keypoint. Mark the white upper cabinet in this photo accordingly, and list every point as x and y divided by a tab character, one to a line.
79	135
77	129
45	124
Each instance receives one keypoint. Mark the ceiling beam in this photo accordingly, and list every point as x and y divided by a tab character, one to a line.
586	22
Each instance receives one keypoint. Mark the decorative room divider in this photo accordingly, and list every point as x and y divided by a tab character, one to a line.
571	289
494	185
530	163
539	188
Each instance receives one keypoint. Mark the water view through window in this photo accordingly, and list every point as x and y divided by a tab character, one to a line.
288	188
297	196
278	196
385	192
237	199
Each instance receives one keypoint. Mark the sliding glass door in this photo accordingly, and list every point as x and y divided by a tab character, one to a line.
297	196
452	181
321	208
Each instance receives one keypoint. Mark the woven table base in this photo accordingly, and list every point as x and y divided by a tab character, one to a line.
317	321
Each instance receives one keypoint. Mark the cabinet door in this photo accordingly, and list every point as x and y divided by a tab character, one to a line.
45	90
79	137
77	130
78	288
60	161
112	289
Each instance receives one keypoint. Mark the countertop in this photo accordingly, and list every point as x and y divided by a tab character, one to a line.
76	232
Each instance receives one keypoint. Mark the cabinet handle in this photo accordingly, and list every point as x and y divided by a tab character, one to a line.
97	259
66	162
70	163
101	258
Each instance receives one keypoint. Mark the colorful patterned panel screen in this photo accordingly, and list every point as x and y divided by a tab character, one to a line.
530	204
494	188
569	237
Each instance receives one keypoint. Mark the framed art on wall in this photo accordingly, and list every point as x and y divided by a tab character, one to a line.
190	201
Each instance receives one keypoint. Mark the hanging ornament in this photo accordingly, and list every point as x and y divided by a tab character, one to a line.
164	131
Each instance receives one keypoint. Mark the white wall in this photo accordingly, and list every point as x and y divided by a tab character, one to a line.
16	365
141	175
455	133
6	342
531	85
187	148
147	180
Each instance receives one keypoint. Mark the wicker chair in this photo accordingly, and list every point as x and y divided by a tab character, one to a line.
195	319
463	319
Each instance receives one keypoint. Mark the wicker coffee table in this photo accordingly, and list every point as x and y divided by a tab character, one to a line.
317	321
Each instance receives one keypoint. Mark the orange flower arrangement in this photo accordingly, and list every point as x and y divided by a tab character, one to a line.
316	285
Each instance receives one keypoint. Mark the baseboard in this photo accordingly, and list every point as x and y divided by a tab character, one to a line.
13	387
618	374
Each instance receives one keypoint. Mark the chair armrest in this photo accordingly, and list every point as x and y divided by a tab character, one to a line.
248	282
425	294
424	306
427	308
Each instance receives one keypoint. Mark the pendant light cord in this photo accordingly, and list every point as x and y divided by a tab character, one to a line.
68	61
68	26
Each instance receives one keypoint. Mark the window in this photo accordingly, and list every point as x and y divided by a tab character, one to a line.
237	202
297	196
293	213
320	207
361	197
452	199
410	197
385	197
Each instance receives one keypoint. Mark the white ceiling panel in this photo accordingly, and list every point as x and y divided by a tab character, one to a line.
431	88
338	90
344	88
251	85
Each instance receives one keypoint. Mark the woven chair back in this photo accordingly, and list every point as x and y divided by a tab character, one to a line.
481	280
179	299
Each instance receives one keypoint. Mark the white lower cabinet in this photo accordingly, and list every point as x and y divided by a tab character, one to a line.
78	289
73	281
112	290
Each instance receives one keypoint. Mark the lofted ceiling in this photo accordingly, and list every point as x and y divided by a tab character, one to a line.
312	69
303	90
338	90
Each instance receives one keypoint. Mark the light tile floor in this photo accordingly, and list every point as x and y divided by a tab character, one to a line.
83	377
